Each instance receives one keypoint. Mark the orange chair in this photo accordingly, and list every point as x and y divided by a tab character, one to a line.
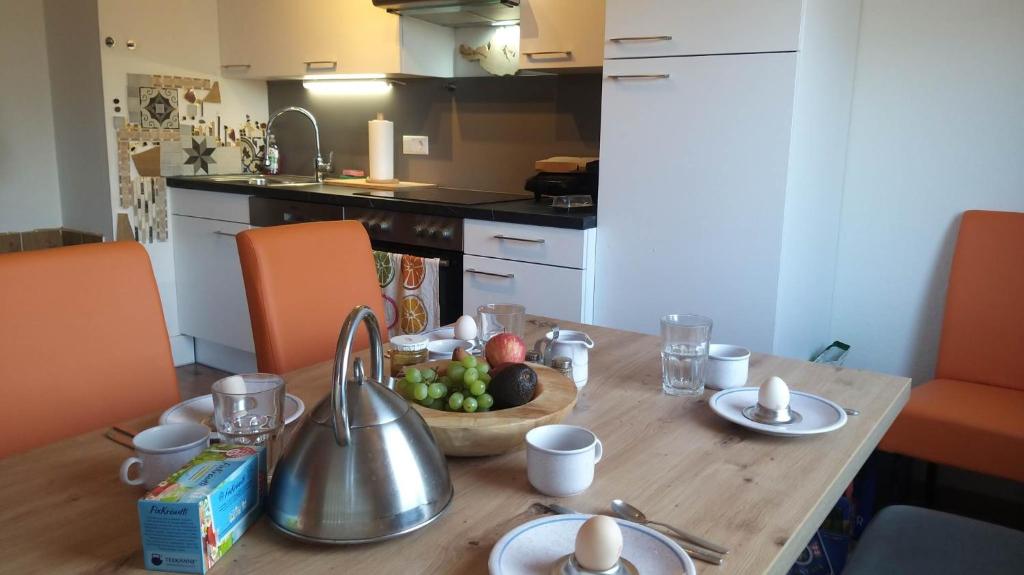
83	343
301	281
972	414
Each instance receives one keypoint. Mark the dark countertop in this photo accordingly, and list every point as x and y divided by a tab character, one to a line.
516	212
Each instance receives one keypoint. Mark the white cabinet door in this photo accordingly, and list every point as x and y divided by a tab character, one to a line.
208	278
642	28
267	38
693	182
526	243
560	34
544	290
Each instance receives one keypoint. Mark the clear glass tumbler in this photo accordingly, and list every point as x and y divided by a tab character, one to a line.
684	353
248	409
495	318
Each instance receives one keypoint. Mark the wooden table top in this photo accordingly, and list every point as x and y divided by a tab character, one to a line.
63	508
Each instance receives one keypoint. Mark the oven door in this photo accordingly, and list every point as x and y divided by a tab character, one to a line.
449	287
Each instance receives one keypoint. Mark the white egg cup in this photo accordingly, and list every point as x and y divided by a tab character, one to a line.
761	414
569	566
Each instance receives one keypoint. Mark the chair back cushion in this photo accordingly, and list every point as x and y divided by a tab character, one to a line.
983	328
83	344
302	280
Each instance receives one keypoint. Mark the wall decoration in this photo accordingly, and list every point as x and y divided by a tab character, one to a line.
499	55
159	107
199	155
146	159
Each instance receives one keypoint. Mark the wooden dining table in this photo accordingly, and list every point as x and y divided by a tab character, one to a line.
63	508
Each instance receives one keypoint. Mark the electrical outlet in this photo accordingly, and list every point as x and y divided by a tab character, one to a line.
415	145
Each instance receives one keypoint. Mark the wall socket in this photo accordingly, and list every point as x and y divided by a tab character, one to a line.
415	145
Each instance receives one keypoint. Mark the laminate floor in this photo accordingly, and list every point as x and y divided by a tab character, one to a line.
196	379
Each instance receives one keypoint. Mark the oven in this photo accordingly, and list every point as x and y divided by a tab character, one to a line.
396	232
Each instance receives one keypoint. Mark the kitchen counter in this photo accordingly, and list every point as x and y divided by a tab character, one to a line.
518	212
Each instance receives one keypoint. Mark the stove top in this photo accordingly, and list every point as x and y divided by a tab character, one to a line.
446	195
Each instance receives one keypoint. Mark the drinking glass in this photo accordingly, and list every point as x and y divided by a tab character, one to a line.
497	318
248	409
684	353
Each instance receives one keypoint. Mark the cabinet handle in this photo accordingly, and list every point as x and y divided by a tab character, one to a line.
228	234
567	53
514	239
236	66
492	274
640	38
321	65
637	76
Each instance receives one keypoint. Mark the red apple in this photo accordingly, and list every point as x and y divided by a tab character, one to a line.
505	348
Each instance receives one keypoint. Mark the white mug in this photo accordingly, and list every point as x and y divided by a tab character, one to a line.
727	366
560	459
162	450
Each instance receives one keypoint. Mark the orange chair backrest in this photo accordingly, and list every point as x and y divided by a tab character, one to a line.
302	280
983	328
83	343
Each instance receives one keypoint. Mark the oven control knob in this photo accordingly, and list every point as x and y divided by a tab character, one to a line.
384	225
446	234
419	230
432	232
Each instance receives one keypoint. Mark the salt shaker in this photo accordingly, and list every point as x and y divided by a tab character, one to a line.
563	365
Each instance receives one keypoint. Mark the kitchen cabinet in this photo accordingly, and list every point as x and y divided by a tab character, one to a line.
281	39
651	28
212	307
550	271
722	175
561	34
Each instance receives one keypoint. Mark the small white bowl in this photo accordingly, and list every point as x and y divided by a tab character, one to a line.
727	366
444	348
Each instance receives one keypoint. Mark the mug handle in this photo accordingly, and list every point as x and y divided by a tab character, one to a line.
598	451
126	467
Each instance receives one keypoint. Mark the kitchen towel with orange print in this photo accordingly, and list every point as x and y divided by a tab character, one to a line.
409	287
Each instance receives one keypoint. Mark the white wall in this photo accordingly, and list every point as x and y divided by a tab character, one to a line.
177	37
937	128
29	190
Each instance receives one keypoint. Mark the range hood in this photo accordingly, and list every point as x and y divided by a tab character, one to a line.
455	13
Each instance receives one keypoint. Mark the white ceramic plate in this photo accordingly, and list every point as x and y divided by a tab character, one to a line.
819	414
441	333
200	410
535	546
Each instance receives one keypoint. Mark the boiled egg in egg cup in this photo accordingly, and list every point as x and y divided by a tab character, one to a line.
772	407
598	551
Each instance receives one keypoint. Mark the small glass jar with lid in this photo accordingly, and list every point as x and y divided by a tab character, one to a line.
407	350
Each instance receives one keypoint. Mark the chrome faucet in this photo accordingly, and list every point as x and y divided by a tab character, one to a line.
320	167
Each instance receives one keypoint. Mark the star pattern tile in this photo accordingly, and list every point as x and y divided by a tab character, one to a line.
199	156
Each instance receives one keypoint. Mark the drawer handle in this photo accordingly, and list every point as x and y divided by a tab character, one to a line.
566	53
321	65
637	76
640	38
236	66
227	234
515	239
491	274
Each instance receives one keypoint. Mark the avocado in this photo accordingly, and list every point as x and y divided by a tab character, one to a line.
513	386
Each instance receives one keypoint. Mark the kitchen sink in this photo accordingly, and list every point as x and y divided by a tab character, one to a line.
269	181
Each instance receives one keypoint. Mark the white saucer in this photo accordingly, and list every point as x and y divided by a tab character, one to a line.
200	410
535	546
441	333
819	414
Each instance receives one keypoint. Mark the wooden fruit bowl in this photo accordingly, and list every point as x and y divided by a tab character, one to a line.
463	434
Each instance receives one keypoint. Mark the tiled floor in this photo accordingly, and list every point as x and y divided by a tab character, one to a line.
196	379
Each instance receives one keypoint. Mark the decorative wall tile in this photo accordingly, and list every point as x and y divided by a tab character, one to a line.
159	107
147	161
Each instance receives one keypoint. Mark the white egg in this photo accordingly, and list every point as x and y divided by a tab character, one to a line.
465	328
233	384
773	394
599	543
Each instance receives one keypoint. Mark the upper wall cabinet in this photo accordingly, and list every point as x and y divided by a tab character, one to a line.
637	29
560	34
285	39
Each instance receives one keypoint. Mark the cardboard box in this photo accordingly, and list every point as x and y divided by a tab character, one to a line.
192	518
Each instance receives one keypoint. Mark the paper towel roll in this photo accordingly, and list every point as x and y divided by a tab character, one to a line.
382	150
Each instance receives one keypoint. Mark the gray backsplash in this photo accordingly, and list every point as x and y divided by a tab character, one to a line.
485	134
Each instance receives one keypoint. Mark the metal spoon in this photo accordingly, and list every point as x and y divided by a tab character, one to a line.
627	511
851	411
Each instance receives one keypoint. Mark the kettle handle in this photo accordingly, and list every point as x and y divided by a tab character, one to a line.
339	387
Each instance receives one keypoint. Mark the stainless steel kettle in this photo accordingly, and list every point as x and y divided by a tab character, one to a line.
365	466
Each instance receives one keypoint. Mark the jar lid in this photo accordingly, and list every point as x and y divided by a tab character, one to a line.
561	362
410	342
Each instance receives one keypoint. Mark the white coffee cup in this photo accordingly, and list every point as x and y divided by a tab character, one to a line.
162	450
560	459
727	366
